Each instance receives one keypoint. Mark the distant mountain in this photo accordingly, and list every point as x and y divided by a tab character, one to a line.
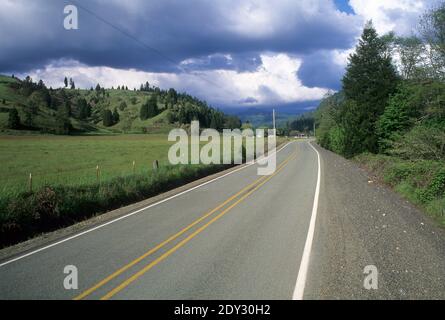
262	116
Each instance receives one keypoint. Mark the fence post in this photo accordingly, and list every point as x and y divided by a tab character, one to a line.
30	182
155	165
134	167
97	173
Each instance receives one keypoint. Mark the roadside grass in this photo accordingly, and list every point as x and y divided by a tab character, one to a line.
27	214
422	182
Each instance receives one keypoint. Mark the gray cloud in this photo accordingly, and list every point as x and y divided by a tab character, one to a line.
192	41
32	32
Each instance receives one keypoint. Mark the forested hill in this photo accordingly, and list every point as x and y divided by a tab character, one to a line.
28	106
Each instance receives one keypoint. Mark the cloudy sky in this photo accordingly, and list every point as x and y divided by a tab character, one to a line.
232	53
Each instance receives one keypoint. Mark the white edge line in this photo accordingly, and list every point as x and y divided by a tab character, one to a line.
139	210
304	264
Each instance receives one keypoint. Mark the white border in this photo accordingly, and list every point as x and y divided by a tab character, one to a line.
304	265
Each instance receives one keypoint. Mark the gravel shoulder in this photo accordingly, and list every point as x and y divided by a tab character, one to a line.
362	222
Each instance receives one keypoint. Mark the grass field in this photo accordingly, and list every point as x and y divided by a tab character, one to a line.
72	160
65	185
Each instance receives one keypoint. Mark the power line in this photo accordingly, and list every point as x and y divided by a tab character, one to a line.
146	46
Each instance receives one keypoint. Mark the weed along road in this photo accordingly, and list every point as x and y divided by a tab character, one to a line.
315	229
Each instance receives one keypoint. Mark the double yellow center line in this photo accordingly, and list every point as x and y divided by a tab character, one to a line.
252	187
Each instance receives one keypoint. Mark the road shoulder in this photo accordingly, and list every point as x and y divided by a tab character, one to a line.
361	223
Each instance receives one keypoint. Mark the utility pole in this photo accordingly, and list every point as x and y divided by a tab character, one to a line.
273	120
314	128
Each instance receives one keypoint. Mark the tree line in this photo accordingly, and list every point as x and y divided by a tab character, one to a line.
393	95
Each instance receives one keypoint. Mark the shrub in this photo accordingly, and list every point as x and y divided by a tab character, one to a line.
123	105
336	138
422	142
414	103
435	189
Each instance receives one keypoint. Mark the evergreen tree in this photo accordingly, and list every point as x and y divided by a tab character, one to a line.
153	106
46	96
107	118
13	119
63	124
116	117
352	134
65	81
28	119
150	108
84	109
40	84
172	96
144	113
66	109
216	120
369	81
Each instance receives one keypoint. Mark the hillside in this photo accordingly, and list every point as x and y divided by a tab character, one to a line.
100	110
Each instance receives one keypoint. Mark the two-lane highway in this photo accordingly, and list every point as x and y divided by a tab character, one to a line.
239	237
308	231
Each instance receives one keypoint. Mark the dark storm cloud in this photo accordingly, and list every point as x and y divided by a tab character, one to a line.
32	33
248	100
320	70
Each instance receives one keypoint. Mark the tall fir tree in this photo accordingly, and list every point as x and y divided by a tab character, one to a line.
369	81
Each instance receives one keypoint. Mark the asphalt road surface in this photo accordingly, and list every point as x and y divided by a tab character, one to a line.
243	236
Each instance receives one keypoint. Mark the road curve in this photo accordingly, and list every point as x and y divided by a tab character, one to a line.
243	237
